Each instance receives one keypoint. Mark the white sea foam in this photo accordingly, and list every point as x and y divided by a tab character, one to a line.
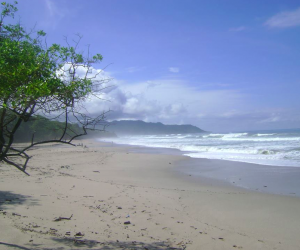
214	135
234	135
281	149
265	134
261	139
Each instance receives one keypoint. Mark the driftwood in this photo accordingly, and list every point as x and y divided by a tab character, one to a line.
63	218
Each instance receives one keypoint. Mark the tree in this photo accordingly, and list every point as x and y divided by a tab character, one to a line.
38	80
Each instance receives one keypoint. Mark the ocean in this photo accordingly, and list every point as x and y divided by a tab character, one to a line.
276	148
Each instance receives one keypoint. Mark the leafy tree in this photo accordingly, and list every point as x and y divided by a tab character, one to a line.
39	80
43	129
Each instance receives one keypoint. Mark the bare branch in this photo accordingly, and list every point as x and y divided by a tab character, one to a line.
44	85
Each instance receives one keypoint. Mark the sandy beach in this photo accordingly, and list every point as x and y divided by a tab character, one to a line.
99	197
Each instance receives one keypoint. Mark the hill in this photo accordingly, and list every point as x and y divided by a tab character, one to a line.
44	129
148	128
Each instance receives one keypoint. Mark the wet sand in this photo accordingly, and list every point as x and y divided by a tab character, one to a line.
99	197
260	178
281	180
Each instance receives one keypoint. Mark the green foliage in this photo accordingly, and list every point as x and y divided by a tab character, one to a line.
8	10
40	128
36	79
28	72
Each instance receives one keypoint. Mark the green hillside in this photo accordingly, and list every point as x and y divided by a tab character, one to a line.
44	129
144	128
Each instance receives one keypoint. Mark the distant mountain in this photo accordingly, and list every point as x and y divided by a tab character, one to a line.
148	128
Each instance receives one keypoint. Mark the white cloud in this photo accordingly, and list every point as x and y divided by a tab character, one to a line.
174	69
175	109
237	29
50	7
56	11
134	69
174	101
284	19
271	119
164	100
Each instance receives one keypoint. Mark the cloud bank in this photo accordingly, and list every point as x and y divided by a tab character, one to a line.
175	101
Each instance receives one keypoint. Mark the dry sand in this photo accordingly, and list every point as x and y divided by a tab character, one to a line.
99	197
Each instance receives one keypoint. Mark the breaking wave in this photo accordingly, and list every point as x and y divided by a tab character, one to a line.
279	149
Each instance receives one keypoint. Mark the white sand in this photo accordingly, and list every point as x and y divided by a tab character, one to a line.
103	187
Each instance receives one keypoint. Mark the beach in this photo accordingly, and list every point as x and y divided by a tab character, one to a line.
102	196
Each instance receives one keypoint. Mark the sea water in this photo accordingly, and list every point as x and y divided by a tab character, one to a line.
276	148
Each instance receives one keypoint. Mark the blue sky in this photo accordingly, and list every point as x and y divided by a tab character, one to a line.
221	65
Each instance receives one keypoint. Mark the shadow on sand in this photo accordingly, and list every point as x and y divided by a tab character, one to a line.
8	199
13	246
110	245
90	244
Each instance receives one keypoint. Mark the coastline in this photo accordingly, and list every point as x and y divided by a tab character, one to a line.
103	187
280	180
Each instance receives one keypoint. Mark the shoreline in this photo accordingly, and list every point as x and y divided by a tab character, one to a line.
276	149
279	180
100	197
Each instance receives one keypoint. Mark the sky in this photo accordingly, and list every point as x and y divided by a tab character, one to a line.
222	65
